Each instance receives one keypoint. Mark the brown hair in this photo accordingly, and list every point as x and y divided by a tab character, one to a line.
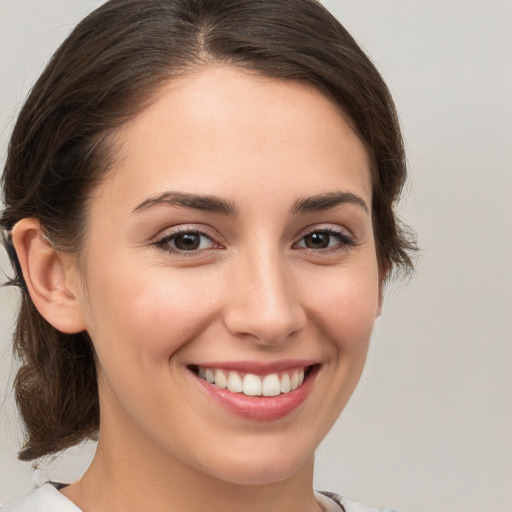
99	78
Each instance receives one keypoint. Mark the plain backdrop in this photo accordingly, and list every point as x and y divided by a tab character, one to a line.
430	427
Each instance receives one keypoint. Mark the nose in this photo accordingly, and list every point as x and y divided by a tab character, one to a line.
263	301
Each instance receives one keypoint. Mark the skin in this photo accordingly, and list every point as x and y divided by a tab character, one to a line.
253	291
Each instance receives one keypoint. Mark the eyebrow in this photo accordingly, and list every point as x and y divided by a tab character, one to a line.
194	201
215	204
326	201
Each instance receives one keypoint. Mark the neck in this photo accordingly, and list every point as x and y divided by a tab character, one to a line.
142	478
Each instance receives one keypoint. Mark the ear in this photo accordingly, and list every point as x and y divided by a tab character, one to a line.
381	303
383	275
51	277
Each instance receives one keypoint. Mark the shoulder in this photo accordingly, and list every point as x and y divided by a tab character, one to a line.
332	502
44	499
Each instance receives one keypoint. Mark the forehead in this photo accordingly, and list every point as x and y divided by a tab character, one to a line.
221	131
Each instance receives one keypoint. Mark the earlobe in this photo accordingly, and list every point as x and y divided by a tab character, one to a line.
382	284
50	276
381	302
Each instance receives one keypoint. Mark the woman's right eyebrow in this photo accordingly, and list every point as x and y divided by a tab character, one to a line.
194	201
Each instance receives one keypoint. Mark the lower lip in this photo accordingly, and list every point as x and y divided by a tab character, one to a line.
261	408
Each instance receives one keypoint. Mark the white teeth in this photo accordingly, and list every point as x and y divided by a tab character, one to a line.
220	379
285	384
251	384
235	383
271	385
294	381
297	378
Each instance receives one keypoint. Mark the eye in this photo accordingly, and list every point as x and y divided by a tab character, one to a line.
186	241
325	239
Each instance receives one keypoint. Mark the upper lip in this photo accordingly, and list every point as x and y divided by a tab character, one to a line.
258	367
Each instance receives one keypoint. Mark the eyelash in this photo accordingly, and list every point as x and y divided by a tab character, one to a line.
164	243
345	241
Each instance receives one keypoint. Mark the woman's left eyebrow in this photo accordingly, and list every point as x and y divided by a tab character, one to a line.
326	201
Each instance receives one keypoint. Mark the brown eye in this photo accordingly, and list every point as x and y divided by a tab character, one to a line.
325	239
317	240
187	241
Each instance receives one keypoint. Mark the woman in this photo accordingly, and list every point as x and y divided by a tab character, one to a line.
199	210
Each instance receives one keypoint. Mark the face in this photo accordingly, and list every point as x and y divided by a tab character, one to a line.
231	245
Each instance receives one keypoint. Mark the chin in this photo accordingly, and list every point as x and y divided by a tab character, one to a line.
257	476
260	468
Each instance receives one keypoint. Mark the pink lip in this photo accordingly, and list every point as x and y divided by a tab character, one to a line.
260	408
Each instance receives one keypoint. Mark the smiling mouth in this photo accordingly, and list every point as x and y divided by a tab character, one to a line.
250	384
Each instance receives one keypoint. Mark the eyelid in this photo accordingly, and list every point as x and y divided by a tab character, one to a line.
325	226
160	241
349	239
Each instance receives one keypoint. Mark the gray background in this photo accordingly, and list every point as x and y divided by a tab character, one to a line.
430	426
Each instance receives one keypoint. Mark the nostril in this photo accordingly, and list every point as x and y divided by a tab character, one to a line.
264	327
263	306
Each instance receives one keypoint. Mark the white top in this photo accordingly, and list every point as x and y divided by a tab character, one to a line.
47	498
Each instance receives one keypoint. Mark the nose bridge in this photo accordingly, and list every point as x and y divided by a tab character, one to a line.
263	301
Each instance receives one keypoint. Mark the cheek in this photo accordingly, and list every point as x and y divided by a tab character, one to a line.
138	326
346	301
150	314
